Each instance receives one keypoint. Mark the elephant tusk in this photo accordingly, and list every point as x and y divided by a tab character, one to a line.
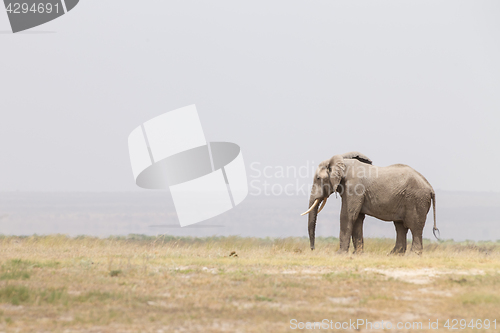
311	208
322	205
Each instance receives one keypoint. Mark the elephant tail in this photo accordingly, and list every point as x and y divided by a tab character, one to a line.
433	197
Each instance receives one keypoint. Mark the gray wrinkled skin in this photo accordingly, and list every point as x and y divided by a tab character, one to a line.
395	193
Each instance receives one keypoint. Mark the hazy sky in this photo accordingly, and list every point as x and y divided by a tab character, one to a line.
289	81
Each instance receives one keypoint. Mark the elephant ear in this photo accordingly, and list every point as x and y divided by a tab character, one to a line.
358	156
337	170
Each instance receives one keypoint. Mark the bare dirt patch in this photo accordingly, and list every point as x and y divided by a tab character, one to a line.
422	275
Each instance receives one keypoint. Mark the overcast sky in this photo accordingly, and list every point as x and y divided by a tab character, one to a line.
289	81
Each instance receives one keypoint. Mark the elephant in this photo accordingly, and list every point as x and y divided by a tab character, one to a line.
394	193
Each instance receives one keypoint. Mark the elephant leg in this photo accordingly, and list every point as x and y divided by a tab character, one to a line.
401	232
357	234
416	244
421	210
346	225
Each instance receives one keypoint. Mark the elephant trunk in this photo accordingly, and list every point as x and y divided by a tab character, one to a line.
312	222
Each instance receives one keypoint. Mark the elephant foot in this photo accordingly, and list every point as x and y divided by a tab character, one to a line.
358	252
342	252
397	252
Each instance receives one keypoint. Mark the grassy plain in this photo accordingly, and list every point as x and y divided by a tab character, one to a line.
230	284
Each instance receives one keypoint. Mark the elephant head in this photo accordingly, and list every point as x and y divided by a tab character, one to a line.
327	178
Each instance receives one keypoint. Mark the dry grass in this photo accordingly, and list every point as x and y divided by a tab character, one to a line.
173	284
